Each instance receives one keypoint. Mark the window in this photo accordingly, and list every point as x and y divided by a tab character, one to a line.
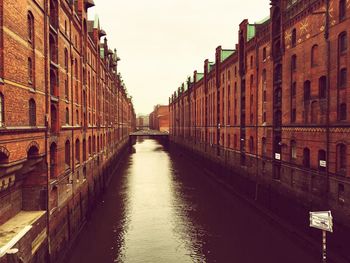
314	56
251	61
343	42
322	87
77	151
342	10
67	116
32	113
235	140
306	157
30	28
84	150
294	37
342	112
293	150
67	154
341	158
264	54
30	71
294	89
294	63
264	117
2	111
251	80
307	90
343	78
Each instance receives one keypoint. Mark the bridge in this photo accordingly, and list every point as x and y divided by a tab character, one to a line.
162	137
149	133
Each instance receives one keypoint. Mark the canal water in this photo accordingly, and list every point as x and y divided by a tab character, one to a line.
161	208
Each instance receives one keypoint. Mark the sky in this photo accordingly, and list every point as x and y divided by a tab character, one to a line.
162	42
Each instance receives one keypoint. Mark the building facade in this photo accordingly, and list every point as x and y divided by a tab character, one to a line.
274	108
65	117
159	118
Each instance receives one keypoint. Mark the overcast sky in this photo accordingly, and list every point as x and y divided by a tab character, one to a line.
161	42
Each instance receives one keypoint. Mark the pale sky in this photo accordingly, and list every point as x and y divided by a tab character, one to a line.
161	42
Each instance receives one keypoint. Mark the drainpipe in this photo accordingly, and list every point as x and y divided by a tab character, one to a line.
46	129
328	61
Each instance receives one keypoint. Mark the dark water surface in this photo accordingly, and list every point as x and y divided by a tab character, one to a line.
162	208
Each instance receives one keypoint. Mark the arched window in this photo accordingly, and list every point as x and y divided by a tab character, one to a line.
2	110
294	63
314	56
53	14
342	112
263	146
343	42
67	116
30	22
322	87
32	113
307	90
293	149
77	151
67	154
343	78
294	37
341	158
306	157
322	160
342	10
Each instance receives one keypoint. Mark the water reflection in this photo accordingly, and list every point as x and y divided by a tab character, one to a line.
162	208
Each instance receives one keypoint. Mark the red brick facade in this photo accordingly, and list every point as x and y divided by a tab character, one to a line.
159	118
276	107
64	118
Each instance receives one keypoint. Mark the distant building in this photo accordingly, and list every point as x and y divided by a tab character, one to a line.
142	122
159	118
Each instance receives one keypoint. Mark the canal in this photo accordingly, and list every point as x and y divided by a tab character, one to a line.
160	207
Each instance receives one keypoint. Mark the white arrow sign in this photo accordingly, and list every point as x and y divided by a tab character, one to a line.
322	220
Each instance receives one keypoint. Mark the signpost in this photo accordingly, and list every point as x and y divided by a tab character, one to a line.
322	220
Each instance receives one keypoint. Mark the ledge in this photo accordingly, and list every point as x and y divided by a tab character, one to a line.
16	228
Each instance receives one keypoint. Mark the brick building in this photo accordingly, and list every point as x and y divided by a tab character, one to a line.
159	118
274	108
65	117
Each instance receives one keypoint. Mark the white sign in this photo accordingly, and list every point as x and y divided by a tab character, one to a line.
277	156
322	220
323	163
